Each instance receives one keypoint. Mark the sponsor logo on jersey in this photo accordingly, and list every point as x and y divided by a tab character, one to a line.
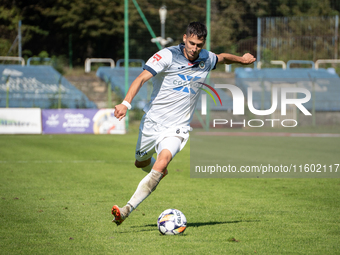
185	89
187	82
190	81
189	78
157	57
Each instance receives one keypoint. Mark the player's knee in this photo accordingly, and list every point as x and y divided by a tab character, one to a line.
163	163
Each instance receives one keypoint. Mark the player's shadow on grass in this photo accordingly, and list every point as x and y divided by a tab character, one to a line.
200	224
153	227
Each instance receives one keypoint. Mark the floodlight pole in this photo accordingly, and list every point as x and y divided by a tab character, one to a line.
109	92
208	25
126	54
258	53
336	36
70	52
162	15
59	91
7	91
207	118
19	39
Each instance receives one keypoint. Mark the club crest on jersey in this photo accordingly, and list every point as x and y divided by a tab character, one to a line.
202	65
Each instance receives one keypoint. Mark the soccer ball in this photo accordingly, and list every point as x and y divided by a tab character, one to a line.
171	222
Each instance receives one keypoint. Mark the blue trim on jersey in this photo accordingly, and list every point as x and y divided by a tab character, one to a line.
215	63
148	68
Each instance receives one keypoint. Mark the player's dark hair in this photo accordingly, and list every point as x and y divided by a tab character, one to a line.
198	29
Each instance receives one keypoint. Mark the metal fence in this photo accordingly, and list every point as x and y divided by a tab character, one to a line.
289	38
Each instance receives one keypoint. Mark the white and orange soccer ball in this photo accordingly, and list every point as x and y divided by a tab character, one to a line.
171	222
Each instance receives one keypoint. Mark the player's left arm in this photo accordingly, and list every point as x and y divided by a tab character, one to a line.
226	58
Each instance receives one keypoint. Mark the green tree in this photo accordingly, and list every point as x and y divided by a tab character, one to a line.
96	26
303	8
11	12
179	15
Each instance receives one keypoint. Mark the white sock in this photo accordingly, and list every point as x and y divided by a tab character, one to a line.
145	187
126	210
149	167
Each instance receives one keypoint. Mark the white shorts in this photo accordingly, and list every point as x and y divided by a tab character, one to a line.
151	134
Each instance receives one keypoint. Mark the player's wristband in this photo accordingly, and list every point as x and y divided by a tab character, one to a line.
127	104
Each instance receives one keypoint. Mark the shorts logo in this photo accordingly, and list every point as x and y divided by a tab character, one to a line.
178	131
141	153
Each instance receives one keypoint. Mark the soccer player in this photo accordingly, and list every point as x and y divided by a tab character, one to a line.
177	73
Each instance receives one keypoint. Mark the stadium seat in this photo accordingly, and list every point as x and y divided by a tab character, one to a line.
38	86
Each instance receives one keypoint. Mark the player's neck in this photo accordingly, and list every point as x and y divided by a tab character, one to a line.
186	56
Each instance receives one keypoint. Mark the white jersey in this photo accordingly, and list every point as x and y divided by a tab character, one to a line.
176	85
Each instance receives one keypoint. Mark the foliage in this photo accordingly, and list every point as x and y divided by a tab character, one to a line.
95	28
11	12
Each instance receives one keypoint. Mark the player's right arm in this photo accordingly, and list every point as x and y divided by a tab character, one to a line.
158	62
121	109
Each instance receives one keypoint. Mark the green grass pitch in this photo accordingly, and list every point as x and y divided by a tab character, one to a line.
56	193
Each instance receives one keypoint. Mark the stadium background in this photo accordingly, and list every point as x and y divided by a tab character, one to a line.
270	30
